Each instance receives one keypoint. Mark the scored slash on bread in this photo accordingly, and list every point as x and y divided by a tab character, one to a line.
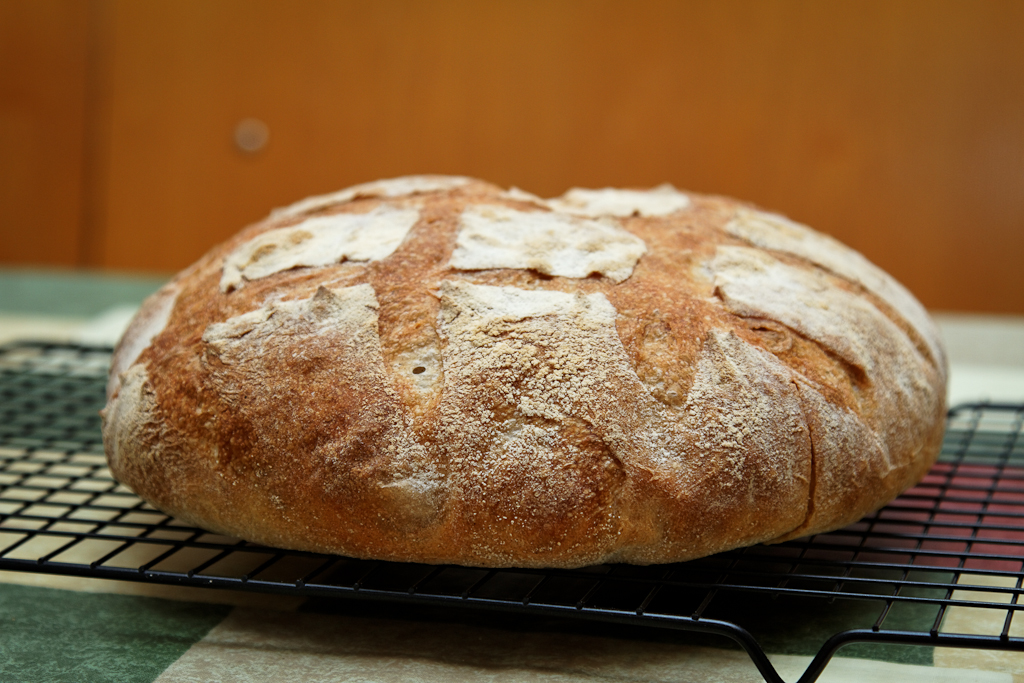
434	369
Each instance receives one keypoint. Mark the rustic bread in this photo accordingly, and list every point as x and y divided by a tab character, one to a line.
434	369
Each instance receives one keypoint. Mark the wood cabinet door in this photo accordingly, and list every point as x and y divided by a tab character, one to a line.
43	85
895	125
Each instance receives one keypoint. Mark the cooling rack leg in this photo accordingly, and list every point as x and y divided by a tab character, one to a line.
742	637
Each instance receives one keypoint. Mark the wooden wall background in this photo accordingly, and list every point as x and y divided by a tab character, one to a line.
895	125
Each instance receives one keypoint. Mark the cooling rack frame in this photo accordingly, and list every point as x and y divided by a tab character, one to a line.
956	540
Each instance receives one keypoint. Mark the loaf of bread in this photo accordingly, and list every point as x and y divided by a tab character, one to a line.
434	369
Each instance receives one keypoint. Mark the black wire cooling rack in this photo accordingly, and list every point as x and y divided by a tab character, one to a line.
950	546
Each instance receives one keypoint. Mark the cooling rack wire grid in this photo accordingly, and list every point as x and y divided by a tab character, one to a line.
950	546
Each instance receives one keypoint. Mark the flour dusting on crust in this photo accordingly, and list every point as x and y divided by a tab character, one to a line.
128	415
520	195
541	397
772	231
492	236
319	241
754	283
850	462
660	201
394	187
526	375
150	321
350	312
747	427
582	329
326	346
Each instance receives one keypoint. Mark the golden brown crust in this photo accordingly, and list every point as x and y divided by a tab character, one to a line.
654	385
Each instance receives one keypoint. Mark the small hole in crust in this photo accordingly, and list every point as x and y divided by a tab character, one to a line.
418	370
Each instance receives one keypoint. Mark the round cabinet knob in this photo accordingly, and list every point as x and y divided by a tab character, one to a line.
251	136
